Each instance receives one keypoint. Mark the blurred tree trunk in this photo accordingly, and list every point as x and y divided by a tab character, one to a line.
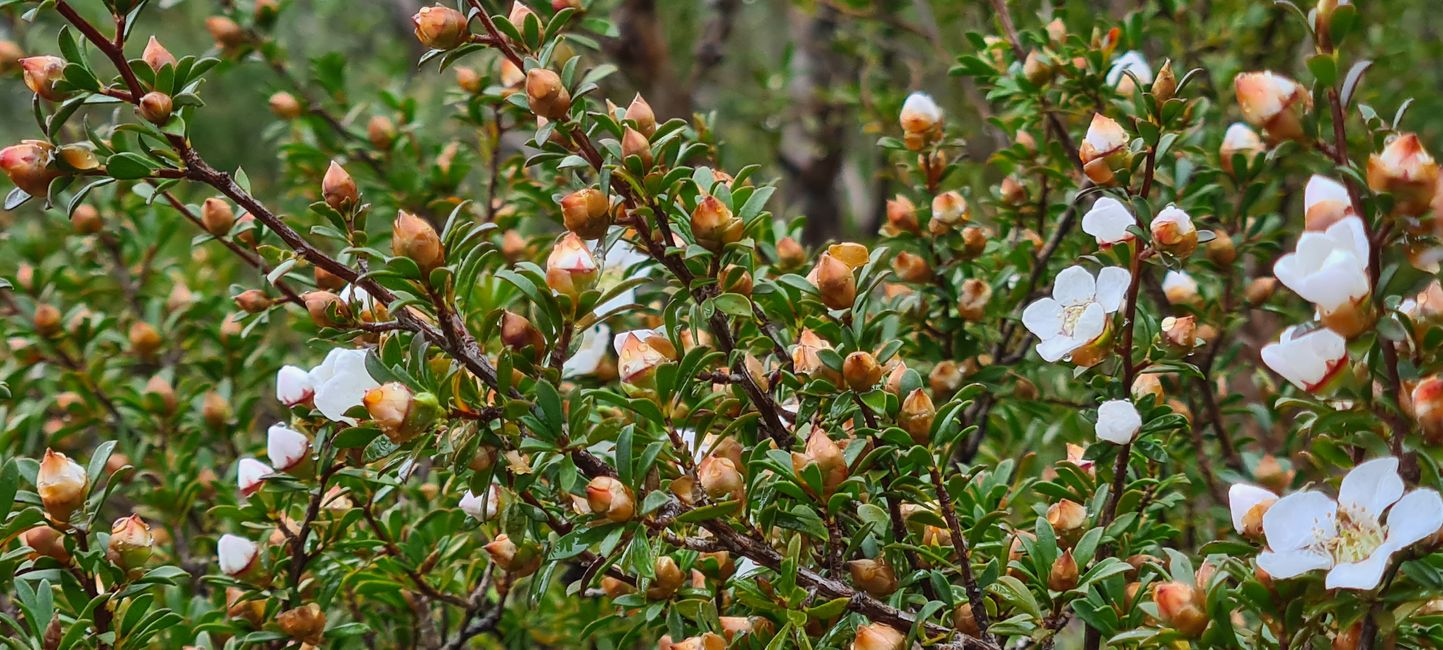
641	53
813	144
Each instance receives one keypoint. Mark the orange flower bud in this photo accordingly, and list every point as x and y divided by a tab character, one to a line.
130	542
911	268
902	215
1407	171
215	409
790	254
400	413
1260	290
520	561
468	79
42	73
326	308
254	301
339	189
875	577
1147	384
86	219
707	641
1067	517
518	334
156	107
156	56
586	212
45	541
46	319
226	33
965	621
160	395
735	279
28	165
1220	250
306	623
916	416
1180	606
633	143
949	209
834	281
713	224
62	484
381	132
546	95
641	115
144	340
610	498
1428	407
413	237
217	216
1064	572
876	636
972	299
10	55
861	371
668	579
827	456
440	27
285	105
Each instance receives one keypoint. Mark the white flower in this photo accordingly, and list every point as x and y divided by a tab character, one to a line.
1329	268
1240	138
640	351
1264	95
341	383
1176	218
1354	537
480	508
286	446
1077	311
620	264
1242	499
1108	221
293	386
249	473
1104	136
352	294
1133	62
236	554
1118	421
1179	287
920	113
1308	360
595	341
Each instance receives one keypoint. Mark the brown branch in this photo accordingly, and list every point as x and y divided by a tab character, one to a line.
964	558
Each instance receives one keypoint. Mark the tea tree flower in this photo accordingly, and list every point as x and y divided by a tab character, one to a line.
250	474
341	383
1308	359
921	120
1353	537
1330	270
1407	171
236	555
1118	421
1174	232
286	447
1325	202
1248	504
1108	221
1104	149
1076	316
1134	62
62	484
293	386
482	508
1273	103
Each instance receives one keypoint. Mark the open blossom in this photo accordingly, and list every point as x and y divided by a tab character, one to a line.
1108	221
1134	62
1077	313
236	554
1272	102
286	447
1247	504
293	386
341	383
1118	421
1325	202
249	475
1330	270
1354	537
1308	360
1239	139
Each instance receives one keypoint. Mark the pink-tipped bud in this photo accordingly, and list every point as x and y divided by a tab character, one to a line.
156	56
1407	171
236	555
286	447
250	475
42	73
28	165
339	189
440	27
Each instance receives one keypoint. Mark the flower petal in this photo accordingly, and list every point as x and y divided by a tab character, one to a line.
1371	487
1299	520
1242	498
1090	324
1414	517
1112	284
1118	421
1043	318
1108	221
1361	575
594	343
1292	563
1055	348
1074	286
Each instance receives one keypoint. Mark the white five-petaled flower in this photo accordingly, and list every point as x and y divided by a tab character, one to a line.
484	507
1077	312
1307	359
236	554
1131	61
249	473
293	386
1329	268
1108	221
1351	538
1118	421
341	383
286	447
1247	504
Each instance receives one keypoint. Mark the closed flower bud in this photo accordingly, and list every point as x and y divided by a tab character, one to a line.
1220	250
713	224
1273	103
877	636
339	189
215	409
253	301
861	371
949	209
156	56
46	319
217	216
294	386
639	353
1012	191
1164	86
546	95
965	621
45	541
586	213
226	33
10	55
130	542
571	269
921	120
160	395
1180	606
633	143
720	478
736	279
1428	407
144	340
1104	150
790	254
1174	232
86	219
250	611
1037	68
484	507
972	299
875	577
1239	139
250	475
1260	290
520	561
326	308
641	115
834	282
62	484
1067	517
400	413
28	165
1063	575
42	73
1180	288
902	215
916	416
286	447
440	27
519	13
381	132
610	498
707	641
827	456
468	79
306	623
1405	170
1180	332
156	107
1147	384
519	334
911	268
285	105
668	579
413	237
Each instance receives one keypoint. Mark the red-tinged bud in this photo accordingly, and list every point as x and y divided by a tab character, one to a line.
130	542
45	541
217	216
1179	332
326	308
713	224
156	56
571	269
668	579
42	73
468	80
1064	572
586	212
400	413
144	340
546	95
877	636
156	107
1405	170
911	268
861	371
519	13
1180	606
226	33
28	165
46	319
1428	407
972	299
86	219
413	237
916	416
641	115
875	577
820	450
440	27
633	143
520	561
381	132
160	395
10	55
285	105
834	282
519	334
62	484
790	254
306	623
610	498
254	301
720	478
339	189
902	216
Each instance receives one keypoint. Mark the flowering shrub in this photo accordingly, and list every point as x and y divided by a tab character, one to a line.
604	397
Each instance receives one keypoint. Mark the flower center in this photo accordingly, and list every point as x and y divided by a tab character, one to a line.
1070	315
1359	534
